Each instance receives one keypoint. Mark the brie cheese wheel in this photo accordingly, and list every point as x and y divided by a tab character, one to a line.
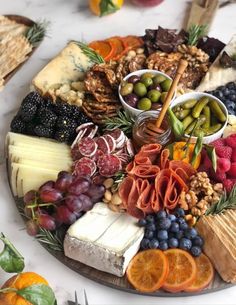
104	240
217	75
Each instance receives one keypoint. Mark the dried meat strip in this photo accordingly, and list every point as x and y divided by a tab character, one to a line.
146	171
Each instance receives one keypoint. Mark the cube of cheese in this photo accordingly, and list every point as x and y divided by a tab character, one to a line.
104	240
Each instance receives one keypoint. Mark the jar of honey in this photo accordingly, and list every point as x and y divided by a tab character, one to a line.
141	137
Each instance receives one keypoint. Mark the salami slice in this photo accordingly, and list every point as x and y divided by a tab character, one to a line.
121	142
82	169
130	148
111	142
97	154
84	126
78	137
103	145
117	134
108	165
87	147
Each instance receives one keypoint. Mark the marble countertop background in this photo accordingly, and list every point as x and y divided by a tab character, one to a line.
71	19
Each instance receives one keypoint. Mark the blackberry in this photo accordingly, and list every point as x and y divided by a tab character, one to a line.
63	122
17	125
83	118
75	112
48	118
27	111
63	108
29	130
43	131
62	135
33	98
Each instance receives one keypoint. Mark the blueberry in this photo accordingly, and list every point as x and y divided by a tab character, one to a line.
171	234
151	227
161	214
149	234
173	243
179	234
179	212
231	86
226	91
150	219
142	222
154	244
198	241
233	97
180	220
185	244
163	245
190	233
174	227
145	243
183	226
196	251
171	217
164	223
162	235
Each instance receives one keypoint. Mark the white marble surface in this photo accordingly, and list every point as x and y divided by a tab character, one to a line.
72	20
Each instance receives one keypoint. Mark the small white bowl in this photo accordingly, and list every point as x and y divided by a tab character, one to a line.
134	112
197	95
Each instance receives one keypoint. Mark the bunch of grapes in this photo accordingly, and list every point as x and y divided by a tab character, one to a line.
60	202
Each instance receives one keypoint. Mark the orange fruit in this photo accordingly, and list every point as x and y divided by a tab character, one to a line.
95	6
19	282
205	274
182	270
133	42
148	270
185	155
103	48
119	46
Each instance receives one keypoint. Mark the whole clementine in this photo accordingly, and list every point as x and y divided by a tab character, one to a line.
95	5
18	282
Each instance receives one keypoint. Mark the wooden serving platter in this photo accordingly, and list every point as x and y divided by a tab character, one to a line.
28	22
115	282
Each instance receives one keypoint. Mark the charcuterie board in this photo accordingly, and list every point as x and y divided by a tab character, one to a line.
123	169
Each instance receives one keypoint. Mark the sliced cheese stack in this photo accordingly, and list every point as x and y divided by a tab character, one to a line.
33	161
219	233
217	75
104	240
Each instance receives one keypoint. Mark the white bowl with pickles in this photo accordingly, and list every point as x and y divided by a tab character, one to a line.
201	113
144	90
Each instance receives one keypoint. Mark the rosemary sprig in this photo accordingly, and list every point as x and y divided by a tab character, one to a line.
123	121
37	32
224	203
118	178
50	240
90	53
195	32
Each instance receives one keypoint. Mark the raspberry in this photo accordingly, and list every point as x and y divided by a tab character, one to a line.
228	185
231	141
218	143
233	157
224	152
223	165
219	176
232	170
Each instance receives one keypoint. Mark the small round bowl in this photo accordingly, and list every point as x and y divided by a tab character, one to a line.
197	95
134	112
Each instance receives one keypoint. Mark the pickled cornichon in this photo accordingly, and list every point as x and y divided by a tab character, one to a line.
207	113
195	124
199	107
215	108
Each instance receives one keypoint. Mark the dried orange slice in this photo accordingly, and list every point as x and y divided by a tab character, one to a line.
133	42
205	274
103	48
119	47
182	270
148	270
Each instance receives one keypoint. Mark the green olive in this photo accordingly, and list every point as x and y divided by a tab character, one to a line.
163	97
140	89
126	89
144	104
147	81
154	95
166	85
148	75
158	79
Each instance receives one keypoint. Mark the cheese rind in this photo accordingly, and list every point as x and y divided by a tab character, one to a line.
104	240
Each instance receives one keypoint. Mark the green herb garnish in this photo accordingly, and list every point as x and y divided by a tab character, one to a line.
195	32
37	32
50	240
224	203
176	125
197	148
123	121
211	152
107	7
90	53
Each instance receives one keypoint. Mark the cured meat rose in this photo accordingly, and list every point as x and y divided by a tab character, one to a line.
87	147
151	151
146	171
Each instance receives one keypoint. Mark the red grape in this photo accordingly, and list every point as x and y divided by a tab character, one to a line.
63	182
47	222
79	186
96	192
32	228
30	197
98	179
47	185
50	195
64	215
87	202
74	203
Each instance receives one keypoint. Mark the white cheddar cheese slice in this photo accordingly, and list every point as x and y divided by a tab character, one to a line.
104	240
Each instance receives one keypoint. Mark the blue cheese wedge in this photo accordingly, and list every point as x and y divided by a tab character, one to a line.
104	240
217	75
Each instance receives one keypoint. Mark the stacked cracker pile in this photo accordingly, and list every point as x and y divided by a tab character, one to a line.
14	47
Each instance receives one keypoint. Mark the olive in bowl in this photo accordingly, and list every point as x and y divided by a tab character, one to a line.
144	90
